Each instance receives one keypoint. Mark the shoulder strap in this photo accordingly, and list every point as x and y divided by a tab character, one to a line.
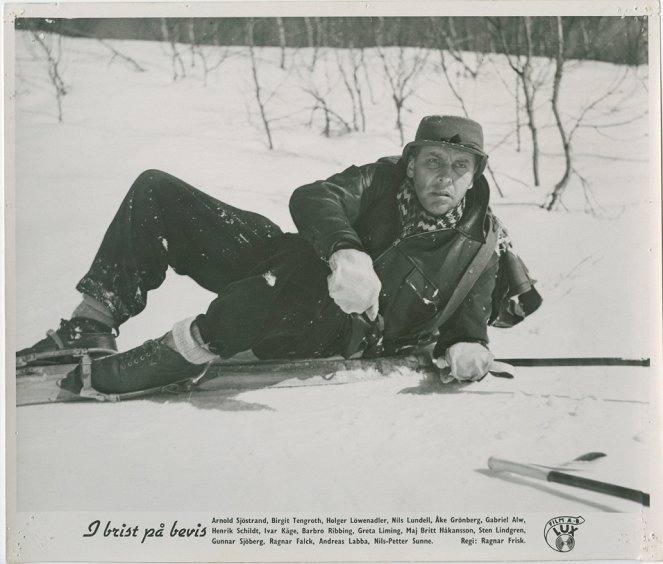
472	274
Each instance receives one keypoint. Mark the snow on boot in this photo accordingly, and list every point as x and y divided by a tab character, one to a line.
60	346
151	365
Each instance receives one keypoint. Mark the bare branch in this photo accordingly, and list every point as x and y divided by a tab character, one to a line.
348	87
321	103
117	54
600	126
401	79
53	69
499	34
258	92
609	92
201	53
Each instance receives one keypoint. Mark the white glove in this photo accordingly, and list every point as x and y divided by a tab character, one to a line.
468	361
353	284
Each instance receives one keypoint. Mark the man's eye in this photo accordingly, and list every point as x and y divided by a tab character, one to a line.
433	161
461	165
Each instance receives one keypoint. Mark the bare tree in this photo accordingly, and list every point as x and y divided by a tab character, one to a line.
587	43
282	39
176	59
191	32
53	57
611	103
521	64
211	57
367	78
320	85
450	41
321	30
353	83
329	115
454	45
312	43
209	65
401	72
555	196
518	124
116	53
456	92
256	81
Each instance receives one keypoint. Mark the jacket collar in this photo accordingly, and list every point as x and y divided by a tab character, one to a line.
476	206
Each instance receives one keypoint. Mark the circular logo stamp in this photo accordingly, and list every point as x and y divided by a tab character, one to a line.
560	532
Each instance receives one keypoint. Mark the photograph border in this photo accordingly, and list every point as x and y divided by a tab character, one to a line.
53	525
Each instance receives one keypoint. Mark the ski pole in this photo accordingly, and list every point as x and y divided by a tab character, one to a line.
531	471
577	361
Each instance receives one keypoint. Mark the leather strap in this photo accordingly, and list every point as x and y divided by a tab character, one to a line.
472	274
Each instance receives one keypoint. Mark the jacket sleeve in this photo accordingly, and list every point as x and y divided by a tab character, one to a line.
325	211
470	321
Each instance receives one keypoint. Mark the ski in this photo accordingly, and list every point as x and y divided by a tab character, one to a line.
38	384
50	358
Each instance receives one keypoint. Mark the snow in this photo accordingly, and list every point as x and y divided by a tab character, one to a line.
428	448
269	278
369	443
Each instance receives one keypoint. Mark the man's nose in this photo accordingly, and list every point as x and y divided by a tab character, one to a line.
444	175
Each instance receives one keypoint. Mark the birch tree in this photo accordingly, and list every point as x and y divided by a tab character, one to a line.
521	65
259	93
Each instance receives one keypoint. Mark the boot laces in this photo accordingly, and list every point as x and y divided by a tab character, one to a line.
149	351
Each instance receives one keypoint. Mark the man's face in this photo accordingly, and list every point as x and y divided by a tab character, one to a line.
441	177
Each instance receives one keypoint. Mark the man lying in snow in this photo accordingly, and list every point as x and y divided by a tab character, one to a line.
389	256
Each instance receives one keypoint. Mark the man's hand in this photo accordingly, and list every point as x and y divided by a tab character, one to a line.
353	284
468	361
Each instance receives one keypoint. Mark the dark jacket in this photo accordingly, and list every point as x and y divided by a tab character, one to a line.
441	283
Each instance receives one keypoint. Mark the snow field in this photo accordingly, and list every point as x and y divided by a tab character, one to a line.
374	445
422	452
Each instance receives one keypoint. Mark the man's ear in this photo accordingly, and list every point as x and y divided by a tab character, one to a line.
410	167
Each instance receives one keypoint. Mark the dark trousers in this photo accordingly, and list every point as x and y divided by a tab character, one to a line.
271	287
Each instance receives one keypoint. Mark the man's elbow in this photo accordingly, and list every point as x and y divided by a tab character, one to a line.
299	201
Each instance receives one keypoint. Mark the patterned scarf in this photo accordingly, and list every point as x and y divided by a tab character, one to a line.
415	219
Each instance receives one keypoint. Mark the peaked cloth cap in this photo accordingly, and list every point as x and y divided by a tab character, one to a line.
451	131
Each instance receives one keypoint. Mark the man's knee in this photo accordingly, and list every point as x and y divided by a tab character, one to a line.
156	184
149	179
